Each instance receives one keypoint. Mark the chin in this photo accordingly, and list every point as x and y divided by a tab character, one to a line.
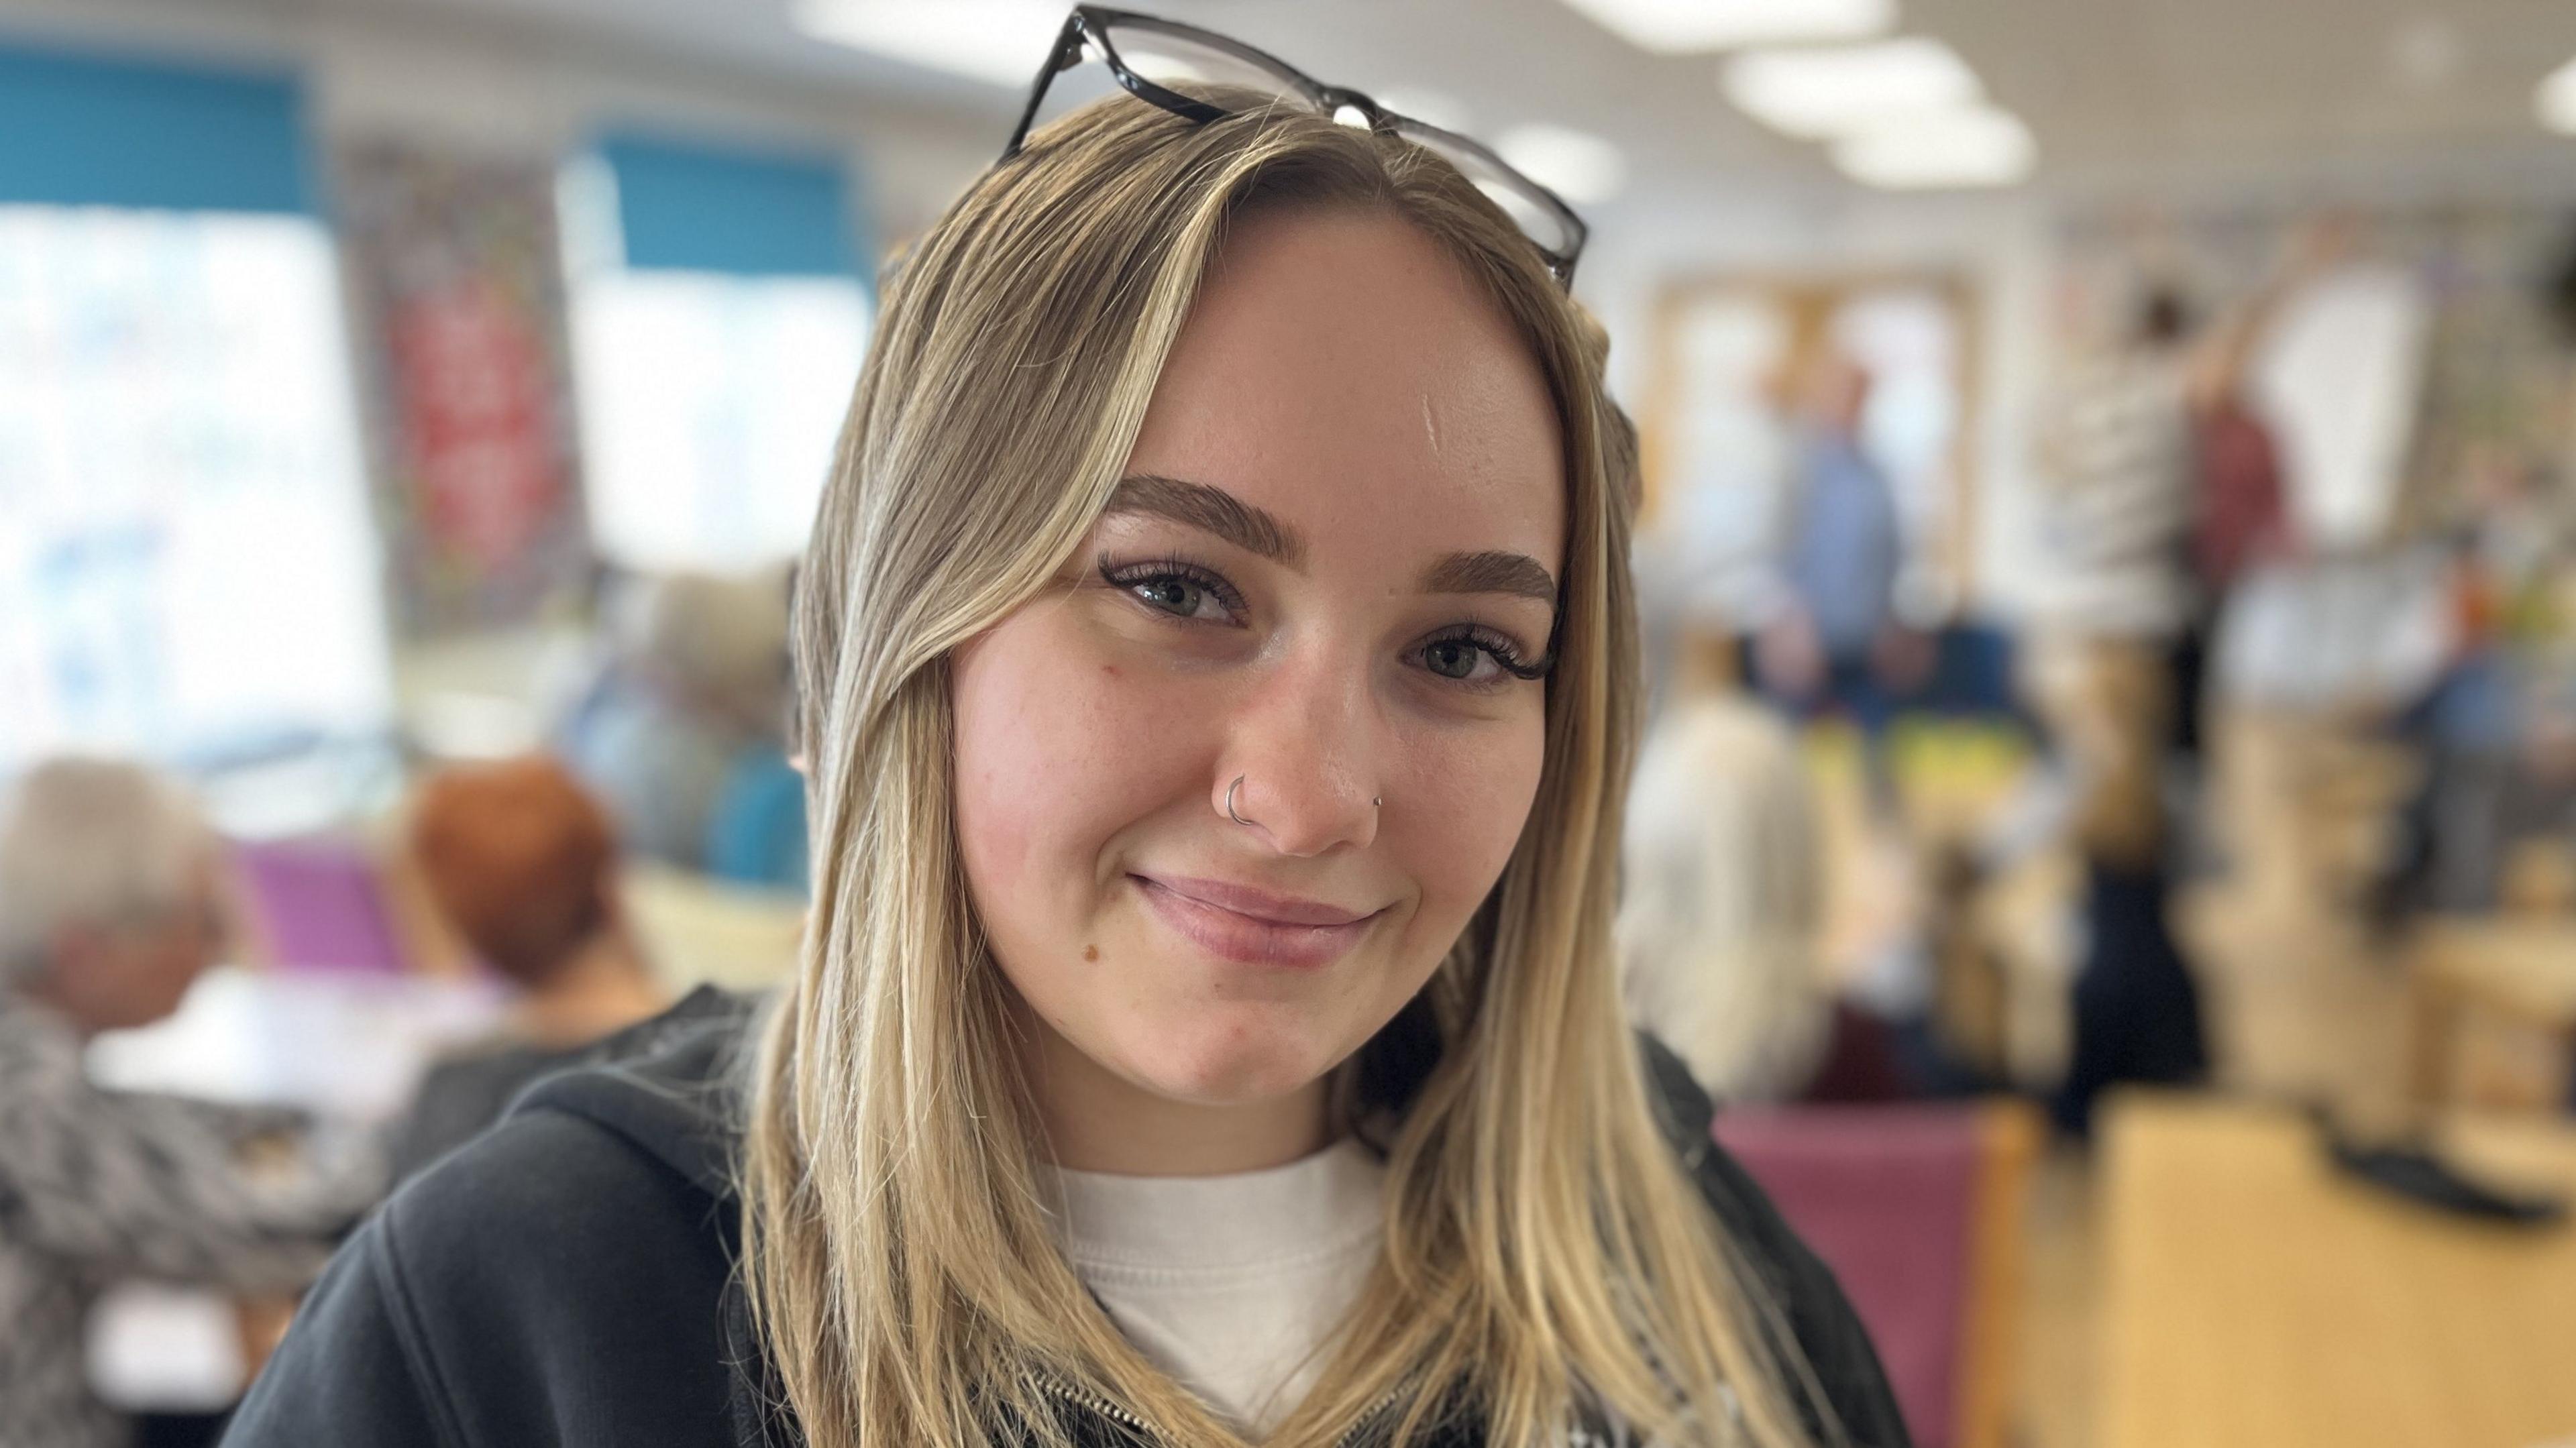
1234	1056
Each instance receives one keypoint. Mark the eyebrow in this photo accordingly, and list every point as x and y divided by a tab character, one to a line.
1517	574
1211	510
1214	510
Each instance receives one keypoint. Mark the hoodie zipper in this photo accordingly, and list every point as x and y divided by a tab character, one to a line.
1116	1414
1095	1403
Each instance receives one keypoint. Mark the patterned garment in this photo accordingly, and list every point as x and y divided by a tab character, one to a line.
2117	517
98	1187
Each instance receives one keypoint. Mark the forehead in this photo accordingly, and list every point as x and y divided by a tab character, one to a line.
1342	372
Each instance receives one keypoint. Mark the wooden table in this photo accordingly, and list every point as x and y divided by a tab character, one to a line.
2254	1299
2523	970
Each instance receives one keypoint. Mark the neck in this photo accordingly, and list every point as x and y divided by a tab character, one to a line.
1099	1121
604	988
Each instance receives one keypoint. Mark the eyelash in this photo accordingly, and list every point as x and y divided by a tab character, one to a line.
1132	576
1505	654
1129	577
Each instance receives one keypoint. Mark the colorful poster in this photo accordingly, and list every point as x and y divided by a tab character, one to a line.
455	265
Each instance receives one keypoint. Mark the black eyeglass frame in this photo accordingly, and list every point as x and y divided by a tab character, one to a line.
1091	24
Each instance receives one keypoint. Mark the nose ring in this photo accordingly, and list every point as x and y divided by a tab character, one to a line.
1375	802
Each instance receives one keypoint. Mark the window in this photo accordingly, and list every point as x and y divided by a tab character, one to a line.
718	324
187	566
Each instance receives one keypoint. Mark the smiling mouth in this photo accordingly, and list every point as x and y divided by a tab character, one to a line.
1253	927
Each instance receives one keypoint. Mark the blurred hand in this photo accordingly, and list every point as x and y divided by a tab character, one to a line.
1790	656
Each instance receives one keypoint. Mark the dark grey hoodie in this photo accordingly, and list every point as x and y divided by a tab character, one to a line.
567	1279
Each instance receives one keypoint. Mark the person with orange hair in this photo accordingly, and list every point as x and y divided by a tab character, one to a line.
522	862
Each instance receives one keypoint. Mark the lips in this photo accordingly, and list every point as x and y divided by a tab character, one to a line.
1251	926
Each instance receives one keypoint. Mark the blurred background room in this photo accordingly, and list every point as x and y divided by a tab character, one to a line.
2106	830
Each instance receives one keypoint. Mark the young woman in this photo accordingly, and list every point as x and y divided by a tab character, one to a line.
1219	677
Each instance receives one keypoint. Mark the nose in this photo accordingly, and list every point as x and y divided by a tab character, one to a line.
1304	746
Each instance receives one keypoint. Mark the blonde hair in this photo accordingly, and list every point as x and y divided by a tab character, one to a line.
1545	1250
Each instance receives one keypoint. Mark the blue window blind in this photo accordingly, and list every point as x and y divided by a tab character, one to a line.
692	207
86	130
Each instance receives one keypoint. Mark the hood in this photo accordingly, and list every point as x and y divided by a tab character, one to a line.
672	1087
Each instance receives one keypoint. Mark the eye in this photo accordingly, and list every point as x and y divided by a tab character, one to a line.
1478	658
1452	658
1180	590
1172	595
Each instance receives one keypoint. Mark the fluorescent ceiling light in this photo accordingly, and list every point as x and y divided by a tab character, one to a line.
1684	27
1001	42
1581	168
2557	99
1975	146
1819	93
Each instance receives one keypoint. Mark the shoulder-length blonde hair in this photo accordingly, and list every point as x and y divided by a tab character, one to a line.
1544	1252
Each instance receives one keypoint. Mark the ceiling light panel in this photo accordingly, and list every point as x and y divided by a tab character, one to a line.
1974	146
2556	99
1689	27
1826	92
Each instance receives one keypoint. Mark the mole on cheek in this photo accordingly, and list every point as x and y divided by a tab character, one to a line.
1091	952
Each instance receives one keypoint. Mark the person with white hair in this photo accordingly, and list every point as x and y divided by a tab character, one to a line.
110	907
685	703
1722	904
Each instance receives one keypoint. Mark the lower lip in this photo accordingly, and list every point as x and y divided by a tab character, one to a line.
1249	939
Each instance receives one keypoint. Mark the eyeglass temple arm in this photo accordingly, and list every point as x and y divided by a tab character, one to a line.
1066	52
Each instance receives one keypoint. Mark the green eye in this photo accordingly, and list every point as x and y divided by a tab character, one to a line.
1172	595
1177	590
1452	658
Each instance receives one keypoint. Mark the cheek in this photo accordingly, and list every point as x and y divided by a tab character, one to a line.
1048	769
1463	811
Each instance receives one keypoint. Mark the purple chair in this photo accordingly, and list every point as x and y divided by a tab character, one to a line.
1917	1209
319	905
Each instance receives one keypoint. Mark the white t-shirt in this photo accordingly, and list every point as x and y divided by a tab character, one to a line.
1234	1285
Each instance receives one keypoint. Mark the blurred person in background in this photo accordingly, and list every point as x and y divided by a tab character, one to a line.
680	725
522	862
109	908
2241	514
2165	490
1833	640
2101	668
1720	912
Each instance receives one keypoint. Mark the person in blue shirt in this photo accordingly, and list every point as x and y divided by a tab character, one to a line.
1833	642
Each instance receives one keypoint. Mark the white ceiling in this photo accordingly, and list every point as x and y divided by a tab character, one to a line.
2116	90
